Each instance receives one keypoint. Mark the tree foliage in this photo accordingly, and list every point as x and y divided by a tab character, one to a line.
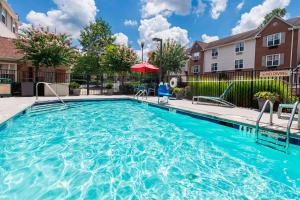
45	49
279	12
96	36
174	57
119	58
94	39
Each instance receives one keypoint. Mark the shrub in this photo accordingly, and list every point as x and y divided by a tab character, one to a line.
243	91
74	85
266	95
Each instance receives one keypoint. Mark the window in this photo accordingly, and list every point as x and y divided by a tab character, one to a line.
239	47
239	64
196	56
273	60
14	28
196	69
214	67
274	40
214	53
3	16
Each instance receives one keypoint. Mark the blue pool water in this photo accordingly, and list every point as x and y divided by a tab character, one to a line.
126	150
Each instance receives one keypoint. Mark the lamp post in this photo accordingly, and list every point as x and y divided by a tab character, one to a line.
142	46
160	56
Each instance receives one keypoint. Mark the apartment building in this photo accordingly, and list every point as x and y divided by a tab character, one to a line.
9	21
12	65
236	52
276	45
196	61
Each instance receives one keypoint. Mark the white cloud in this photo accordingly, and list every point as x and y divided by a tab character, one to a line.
121	39
129	22
255	16
217	7
240	5
165	7
207	38
200	8
69	17
160	27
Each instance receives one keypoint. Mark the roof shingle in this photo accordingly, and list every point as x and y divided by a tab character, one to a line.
8	50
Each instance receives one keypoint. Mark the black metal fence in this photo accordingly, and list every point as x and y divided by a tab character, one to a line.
284	82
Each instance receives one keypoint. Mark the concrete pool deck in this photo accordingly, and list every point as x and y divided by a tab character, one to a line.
12	105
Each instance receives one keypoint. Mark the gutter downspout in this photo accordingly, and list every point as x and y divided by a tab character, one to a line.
292	46
291	55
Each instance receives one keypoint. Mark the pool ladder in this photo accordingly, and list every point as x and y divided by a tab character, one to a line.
276	141
38	108
141	93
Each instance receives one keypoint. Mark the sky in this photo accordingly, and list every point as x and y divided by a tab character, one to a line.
133	21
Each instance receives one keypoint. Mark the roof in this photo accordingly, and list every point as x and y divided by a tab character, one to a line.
294	21
203	45
8	50
243	36
233	38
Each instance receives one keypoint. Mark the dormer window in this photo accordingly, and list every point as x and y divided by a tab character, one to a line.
3	16
239	47
214	53
196	56
274	40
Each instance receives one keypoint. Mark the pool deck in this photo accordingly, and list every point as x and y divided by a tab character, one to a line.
12	105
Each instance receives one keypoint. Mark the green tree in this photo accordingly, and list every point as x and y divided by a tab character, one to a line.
45	49
96	36
173	58
119	59
279	12
94	39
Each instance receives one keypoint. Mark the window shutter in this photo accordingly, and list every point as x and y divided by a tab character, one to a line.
282	37
263	61
281	59
265	41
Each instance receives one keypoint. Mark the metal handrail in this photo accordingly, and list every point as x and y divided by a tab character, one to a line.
140	93
288	129
261	114
47	84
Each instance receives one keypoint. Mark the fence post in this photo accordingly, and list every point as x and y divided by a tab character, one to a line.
88	78
251	89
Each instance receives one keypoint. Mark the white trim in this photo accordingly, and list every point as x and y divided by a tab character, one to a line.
273	55
273	39
279	18
239	64
216	66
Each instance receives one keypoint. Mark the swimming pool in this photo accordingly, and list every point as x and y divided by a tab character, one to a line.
127	150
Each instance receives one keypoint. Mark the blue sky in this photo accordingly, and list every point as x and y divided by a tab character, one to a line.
182	20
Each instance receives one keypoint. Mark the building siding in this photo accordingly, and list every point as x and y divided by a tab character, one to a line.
227	56
196	48
276	26
298	48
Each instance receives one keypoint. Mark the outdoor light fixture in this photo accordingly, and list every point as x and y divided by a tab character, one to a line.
160	57
142	46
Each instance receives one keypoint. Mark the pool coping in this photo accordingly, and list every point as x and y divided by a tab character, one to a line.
218	120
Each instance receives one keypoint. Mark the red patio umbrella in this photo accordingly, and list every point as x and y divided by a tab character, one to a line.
144	68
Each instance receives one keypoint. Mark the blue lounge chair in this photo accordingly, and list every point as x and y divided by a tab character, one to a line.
220	100
163	92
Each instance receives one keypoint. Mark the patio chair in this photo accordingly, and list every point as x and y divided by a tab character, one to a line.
163	91
286	106
220	100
